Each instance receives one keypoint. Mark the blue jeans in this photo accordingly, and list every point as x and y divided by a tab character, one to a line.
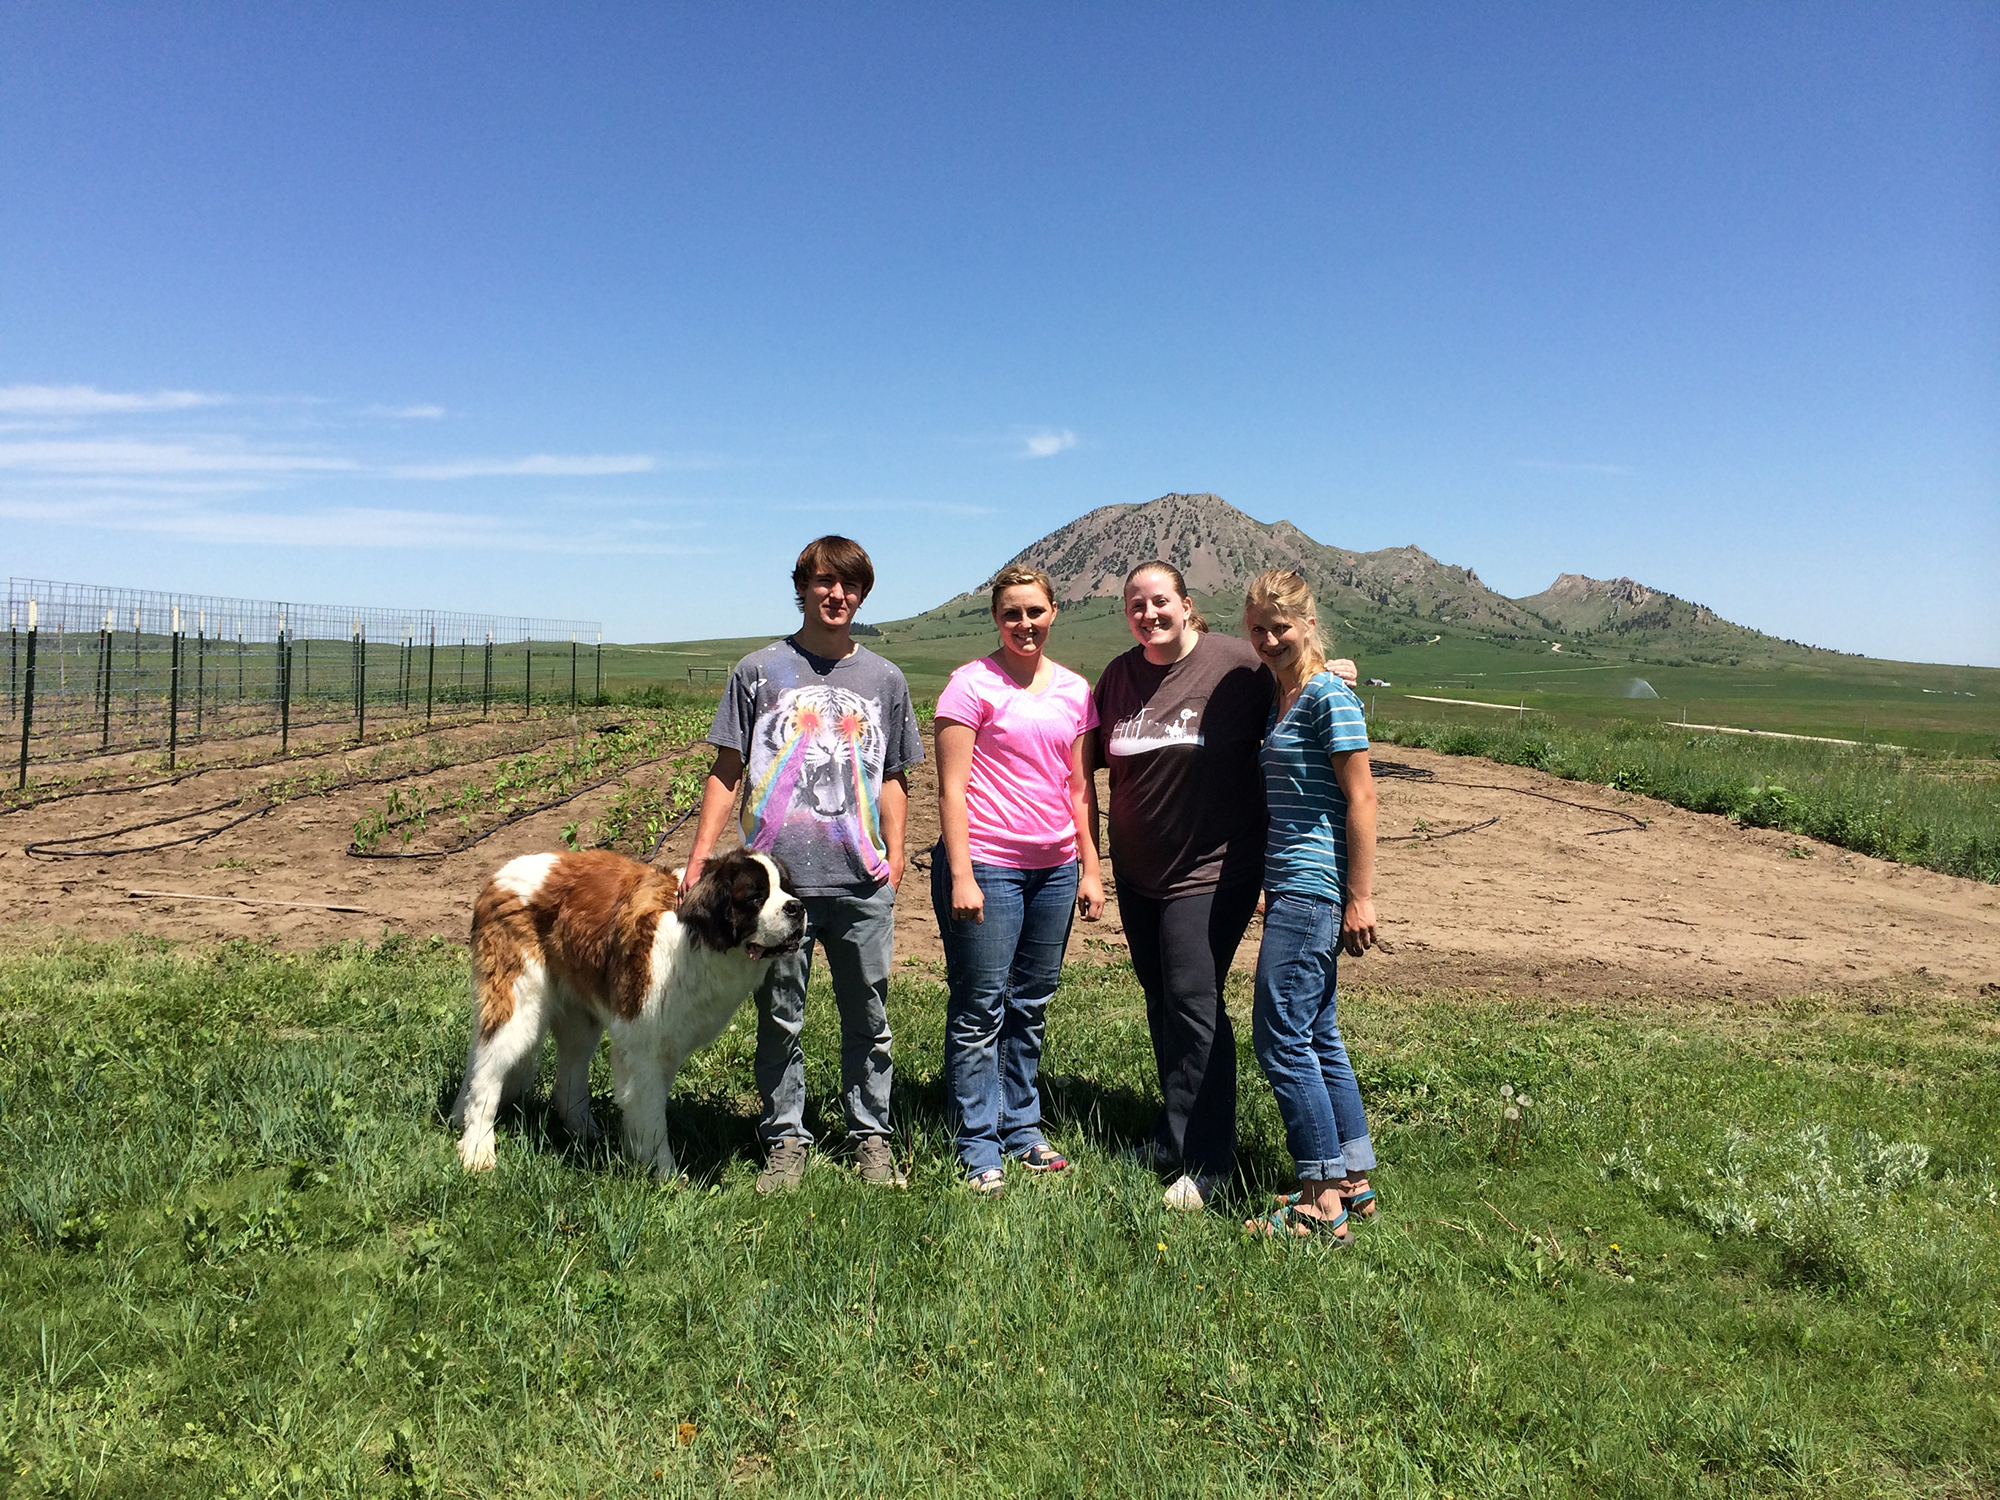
858	933
1298	1044
1002	973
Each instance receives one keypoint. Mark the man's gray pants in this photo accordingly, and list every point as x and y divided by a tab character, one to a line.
858	933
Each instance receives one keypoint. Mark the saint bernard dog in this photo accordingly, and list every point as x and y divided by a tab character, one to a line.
585	943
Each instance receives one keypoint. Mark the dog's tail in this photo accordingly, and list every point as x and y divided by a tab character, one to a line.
503	944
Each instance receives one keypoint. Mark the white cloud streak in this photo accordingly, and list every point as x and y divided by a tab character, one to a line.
129	456
342	526
89	401
1047	443
540	465
422	413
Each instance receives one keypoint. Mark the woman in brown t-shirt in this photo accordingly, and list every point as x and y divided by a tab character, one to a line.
1179	721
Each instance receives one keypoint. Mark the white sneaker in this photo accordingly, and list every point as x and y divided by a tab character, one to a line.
1190	1194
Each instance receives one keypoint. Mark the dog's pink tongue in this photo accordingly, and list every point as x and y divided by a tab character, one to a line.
755	950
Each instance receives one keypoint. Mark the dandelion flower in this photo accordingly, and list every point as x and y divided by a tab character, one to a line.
1524	1101
1162	1247
1506	1091
1510	1113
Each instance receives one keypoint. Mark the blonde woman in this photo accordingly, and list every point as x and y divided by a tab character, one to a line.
1009	872
1319	870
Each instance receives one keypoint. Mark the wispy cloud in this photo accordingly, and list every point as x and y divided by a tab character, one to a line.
1560	467
89	401
542	465
872	507
343	526
1047	442
424	413
132	456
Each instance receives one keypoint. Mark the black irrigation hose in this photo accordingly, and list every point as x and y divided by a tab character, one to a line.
258	765
52	848
661	842
354	852
1405	838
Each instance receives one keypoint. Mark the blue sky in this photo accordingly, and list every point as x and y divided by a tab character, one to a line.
602	311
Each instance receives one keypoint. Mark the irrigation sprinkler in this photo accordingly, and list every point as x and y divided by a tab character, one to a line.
28	691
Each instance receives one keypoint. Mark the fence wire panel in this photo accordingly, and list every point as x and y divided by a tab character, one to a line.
94	670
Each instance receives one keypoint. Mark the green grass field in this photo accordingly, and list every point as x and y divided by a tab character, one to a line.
1938	709
1737	1253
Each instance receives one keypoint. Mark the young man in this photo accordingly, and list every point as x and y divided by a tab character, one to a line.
826	729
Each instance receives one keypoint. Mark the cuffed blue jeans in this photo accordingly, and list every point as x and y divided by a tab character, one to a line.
1298	1044
858	933
1002	973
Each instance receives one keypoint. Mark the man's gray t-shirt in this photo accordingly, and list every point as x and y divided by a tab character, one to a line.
817	737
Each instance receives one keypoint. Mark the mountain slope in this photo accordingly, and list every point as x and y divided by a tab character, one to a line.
1219	550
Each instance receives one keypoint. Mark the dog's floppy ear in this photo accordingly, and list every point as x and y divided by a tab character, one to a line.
707	911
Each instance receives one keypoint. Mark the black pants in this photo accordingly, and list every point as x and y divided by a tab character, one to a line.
1181	950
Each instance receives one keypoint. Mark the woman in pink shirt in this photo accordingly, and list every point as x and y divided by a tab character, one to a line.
1009	872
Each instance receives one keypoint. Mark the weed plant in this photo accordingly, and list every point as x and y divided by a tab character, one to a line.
1941	814
1739	1255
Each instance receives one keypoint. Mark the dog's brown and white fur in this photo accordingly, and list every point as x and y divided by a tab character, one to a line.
581	944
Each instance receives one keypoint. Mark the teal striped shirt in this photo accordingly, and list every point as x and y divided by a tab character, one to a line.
1306	851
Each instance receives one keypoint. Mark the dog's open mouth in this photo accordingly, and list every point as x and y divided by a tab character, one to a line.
759	950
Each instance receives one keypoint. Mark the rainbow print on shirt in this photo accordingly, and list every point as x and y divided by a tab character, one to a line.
816	754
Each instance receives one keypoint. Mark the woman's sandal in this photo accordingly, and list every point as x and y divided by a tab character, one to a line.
1289	1222
989	1183
1042	1157
1362	1204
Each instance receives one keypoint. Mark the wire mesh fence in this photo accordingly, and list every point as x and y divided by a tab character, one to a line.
94	670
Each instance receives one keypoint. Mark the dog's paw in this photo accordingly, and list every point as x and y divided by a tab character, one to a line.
477	1156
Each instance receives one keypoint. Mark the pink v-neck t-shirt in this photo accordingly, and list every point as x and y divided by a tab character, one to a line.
1017	803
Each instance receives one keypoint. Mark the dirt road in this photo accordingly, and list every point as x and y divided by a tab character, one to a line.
1540	901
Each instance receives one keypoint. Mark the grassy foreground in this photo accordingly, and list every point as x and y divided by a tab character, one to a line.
1727	1253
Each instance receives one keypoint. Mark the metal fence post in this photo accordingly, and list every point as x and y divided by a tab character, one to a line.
572	671
430	676
528	680
200	665
597	660
136	622
284	689
486	691
104	672
28	692
174	688
13	659
360	681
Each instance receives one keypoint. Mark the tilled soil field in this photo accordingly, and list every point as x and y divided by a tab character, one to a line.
1548	897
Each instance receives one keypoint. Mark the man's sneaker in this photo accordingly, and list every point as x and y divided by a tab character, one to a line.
785	1166
877	1163
1191	1193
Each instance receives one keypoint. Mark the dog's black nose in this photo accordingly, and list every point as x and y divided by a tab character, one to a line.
794	910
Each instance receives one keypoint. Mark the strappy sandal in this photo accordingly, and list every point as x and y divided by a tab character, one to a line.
1042	1157
990	1183
1291	1223
1362	1204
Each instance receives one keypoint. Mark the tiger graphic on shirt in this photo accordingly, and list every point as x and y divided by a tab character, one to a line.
815	755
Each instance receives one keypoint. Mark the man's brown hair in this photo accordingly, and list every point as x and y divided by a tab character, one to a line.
844	558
